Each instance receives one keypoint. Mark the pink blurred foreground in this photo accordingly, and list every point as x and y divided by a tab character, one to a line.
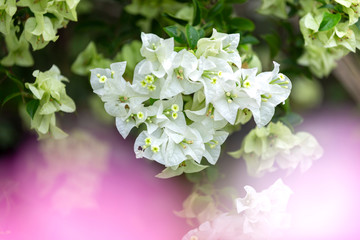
92	187
87	187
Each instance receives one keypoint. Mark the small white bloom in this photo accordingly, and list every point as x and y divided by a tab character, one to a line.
220	45
155	148
174	115
208	75
178	81
305	150
175	107
146	82
265	212
224	226
273	89
158	52
140	115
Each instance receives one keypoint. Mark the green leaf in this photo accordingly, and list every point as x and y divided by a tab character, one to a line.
15	80
339	8
219	6
32	106
357	24
286	106
176	33
237	153
178	49
197	13
242	24
274	43
201	33
193	177
212	174
329	21
172	31
12	78
226	13
249	40
192	36
175	19
11	96
287	124
328	6
293	118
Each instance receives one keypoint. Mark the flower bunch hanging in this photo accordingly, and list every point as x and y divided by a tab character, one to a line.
186	99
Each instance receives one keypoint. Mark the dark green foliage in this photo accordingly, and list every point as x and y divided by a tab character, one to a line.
32	106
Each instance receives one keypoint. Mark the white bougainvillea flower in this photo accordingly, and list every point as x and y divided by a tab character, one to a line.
178	81
310	148
185	102
192	145
324	48
245	80
210	139
306	150
276	8
205	117
320	60
98	78
260	215
49	89
169	114
353	13
212	73
259	151
158	52
117	94
257	166
213	146
275	88
151	146
209	47
264	212
46	124
146	82
224	227
239	94
263	147
9	6
199	207
120	98
309	21
136	115
64	9
220	45
188	166
348	3
18	50
342	35
7	11
173	153
171	148
229	51
72	3
231	100
39	30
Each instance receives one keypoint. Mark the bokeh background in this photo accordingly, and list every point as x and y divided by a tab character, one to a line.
91	186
